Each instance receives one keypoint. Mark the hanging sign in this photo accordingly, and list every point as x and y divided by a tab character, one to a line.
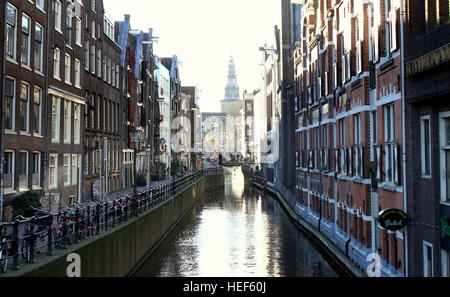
393	219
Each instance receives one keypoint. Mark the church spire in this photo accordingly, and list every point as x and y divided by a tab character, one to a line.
232	88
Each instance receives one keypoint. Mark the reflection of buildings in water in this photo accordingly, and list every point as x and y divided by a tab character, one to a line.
234	183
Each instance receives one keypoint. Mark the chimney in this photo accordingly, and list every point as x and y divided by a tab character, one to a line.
127	17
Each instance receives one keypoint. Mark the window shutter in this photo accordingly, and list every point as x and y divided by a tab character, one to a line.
376	43
336	160
361	165
394	32
360	56
378	156
396	164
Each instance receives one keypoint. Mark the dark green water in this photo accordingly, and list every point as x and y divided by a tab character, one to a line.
236	232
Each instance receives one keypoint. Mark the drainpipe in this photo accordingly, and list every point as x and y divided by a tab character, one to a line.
405	188
2	132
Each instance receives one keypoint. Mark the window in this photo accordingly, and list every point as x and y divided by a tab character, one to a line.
86	55
357	123
99	62
93	29
67	121
445	156
22	163
92	65
66	173
389	123
23	106
53	171
117	76
341	133
40	4
104	68
76	123
9	170
10	103
57	15
77	73
36	169
57	63
425	141
11	31
78	31
37	102
26	40
75	169
68	34
67	67
445	263
93	5
427	259
391	149
38	48
55	119
108	70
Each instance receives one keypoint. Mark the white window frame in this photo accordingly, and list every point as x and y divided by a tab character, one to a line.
56	119
444	147
67	170
40	4
36	91
74	169
27	171
58	15
423	119
13	42
99	62
26	55
86	55
13	169
25	129
426	245
76	123
13	105
55	174
67	69
57	63
77	79
38	185
67	133
78	32
39	50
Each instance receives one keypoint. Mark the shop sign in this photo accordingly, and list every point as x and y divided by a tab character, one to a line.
393	219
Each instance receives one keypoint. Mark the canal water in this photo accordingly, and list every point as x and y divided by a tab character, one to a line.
236	232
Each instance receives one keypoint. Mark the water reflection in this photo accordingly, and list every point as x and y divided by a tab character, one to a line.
236	232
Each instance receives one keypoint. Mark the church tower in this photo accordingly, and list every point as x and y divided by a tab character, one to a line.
232	104
233	107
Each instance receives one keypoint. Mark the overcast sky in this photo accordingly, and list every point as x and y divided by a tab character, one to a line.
203	34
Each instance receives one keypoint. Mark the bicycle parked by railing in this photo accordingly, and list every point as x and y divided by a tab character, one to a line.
5	254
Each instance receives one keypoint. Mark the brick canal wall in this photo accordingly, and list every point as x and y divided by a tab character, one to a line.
330	251
118	252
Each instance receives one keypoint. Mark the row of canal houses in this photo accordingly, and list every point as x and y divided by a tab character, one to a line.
362	89
85	102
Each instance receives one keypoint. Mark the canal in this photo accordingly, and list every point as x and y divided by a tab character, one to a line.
236	232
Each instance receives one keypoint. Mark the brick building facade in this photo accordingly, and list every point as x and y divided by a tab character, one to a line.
427	56
24	81
349	126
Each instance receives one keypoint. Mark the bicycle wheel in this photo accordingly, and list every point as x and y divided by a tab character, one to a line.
25	250
4	256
